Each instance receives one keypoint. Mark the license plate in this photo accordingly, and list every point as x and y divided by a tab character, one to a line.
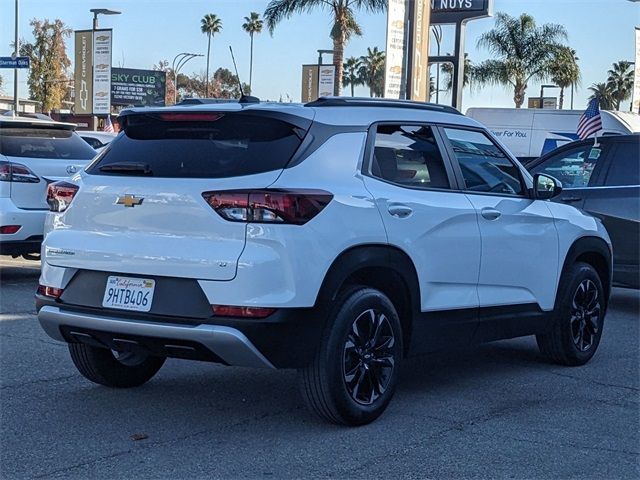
129	293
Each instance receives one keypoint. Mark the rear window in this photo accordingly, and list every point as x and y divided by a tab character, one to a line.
203	145
44	143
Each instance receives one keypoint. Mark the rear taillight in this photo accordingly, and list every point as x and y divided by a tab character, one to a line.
51	292
16	172
59	195
10	229
245	312
294	207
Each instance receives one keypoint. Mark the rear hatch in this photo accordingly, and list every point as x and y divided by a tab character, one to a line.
34	154
140	207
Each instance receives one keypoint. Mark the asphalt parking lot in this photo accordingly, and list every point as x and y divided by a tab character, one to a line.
493	412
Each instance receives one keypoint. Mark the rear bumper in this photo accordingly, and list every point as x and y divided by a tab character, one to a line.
229	344
285	339
20	247
29	237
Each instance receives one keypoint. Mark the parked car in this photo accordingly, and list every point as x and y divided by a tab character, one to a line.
33	153
604	180
98	140
336	237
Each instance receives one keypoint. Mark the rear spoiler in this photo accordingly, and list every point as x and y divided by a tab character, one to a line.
27	122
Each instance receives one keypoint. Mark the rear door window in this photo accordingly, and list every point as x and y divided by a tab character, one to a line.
50	143
200	145
408	155
625	165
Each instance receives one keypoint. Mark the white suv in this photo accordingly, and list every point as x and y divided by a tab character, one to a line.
33	153
336	237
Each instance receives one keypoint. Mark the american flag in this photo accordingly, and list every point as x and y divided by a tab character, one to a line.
108	126
590	121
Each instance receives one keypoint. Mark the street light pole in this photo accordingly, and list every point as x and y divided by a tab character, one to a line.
16	101
176	65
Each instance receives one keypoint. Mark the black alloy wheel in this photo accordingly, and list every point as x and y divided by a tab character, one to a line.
585	315
368	357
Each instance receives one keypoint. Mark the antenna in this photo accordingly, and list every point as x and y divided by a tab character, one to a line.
243	98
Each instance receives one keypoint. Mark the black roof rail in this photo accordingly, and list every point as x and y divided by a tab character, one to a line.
380	102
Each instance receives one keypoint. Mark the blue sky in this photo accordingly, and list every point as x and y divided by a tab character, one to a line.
601	31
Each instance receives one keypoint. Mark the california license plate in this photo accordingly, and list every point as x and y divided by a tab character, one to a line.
129	293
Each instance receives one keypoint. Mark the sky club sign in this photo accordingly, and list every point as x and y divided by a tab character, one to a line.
140	88
454	11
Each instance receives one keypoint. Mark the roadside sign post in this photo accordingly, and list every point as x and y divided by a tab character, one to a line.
15	70
457	13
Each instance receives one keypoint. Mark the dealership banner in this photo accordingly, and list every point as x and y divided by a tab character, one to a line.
317	83
394	72
309	83
83	72
420	51
636	80
326	80
139	88
102	72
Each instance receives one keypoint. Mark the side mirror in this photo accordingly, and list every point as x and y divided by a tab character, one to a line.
545	186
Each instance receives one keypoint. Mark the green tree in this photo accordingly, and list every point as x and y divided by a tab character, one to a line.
603	92
225	85
620	82
343	21
253	24
209	25
170	87
564	70
372	71
351	76
523	52
48	80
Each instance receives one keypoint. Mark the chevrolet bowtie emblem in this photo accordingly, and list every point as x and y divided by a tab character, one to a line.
129	200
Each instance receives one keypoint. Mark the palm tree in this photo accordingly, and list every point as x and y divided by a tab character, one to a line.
523	50
342	18
372	71
447	69
564	70
252	25
351	76
620	82
603	92
210	25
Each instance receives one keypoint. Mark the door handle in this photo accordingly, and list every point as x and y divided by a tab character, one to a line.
490	213
399	210
571	199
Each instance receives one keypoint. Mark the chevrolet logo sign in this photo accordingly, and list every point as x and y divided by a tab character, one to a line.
129	200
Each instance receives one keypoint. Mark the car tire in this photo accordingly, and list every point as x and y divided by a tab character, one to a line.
104	367
354	373
578	318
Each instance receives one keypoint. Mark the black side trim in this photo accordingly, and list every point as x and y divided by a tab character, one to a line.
511	321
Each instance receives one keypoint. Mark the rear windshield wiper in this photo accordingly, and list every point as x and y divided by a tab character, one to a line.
127	167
